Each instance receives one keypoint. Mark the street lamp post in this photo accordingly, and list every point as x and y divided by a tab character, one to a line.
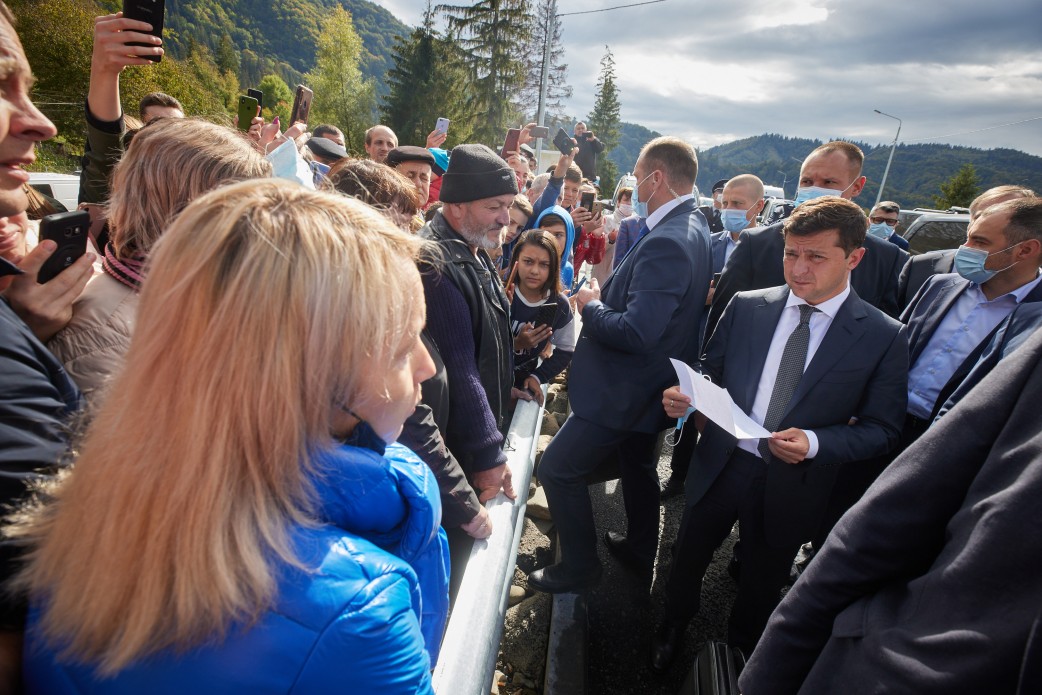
785	180
891	157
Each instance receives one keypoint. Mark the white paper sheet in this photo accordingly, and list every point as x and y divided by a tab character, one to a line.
716	403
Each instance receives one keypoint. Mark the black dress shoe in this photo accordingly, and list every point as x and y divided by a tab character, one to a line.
664	648
558	579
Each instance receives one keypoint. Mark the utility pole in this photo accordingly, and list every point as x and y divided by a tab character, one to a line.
891	157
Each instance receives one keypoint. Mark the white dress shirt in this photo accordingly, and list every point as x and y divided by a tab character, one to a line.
657	216
820	321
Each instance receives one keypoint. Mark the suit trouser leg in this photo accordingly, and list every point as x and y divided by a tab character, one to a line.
577	450
640	493
704	526
765	569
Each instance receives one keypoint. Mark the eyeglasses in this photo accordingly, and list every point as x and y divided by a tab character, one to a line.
878	220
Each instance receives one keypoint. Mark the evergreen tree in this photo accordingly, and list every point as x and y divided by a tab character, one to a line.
425	83
546	26
605	119
488	32
959	190
342	96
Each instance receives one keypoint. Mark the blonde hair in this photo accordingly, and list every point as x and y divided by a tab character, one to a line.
168	164
265	307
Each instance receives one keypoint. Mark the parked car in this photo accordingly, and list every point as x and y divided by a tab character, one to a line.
65	188
905	218
934	231
774	209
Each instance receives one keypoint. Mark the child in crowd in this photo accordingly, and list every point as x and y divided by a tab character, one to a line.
520	212
539	314
558	224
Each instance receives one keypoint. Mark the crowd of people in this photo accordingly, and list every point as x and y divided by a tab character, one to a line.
246	440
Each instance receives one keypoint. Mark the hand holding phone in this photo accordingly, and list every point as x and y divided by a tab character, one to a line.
563	142
69	231
540	131
442	125
586	201
511	143
151	12
256	94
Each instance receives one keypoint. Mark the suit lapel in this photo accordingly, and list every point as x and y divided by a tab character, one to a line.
843	334
684	207
946	296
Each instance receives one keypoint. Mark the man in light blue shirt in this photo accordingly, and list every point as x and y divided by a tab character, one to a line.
953	315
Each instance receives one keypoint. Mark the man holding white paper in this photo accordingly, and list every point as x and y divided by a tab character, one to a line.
821	370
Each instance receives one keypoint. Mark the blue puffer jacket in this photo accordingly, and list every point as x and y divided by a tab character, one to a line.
358	623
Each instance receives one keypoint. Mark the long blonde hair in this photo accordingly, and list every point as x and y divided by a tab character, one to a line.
265	305
168	164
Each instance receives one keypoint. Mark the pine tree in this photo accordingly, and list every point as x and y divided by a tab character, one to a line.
488	32
342	97
959	190
605	118
546	26
426	83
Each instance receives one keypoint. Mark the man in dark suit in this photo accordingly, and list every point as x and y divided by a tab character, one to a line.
882	221
951	318
923	266
646	313
820	369
930	584
741	202
832	169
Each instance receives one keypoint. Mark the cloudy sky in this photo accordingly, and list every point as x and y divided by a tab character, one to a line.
957	72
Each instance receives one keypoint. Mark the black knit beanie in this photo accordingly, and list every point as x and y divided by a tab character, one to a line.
476	172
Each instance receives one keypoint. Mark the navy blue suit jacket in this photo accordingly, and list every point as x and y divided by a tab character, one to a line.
649	311
929	584
920	268
757	264
859	371
719	240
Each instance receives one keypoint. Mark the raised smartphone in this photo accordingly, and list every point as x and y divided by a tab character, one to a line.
563	142
151	11
442	126
248	110
301	105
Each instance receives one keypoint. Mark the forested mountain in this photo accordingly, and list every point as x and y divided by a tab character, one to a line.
915	176
275	36
631	138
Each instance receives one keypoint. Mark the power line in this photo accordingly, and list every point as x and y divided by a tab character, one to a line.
606	9
979	130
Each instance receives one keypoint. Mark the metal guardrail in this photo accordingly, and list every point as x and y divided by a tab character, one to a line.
471	644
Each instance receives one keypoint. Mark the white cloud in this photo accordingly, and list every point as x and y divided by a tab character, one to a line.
814	68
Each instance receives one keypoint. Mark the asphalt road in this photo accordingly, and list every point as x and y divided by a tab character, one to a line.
622	627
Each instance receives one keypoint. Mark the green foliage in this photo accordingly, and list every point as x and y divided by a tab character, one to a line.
342	97
425	83
632	138
959	190
278	99
58	36
604	120
488	32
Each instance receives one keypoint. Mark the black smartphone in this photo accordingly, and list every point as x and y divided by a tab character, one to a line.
256	94
69	231
540	131
151	11
562	142
301	105
510	145
547	313
716	278
586	201
248	110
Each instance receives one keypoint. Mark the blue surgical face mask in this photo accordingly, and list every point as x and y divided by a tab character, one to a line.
734	220
640	207
969	263
805	193
881	230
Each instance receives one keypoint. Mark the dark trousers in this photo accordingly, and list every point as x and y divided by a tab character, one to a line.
736	495
574	455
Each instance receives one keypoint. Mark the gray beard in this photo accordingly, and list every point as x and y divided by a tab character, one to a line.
481	240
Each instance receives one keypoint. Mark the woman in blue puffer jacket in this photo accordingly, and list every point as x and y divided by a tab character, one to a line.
235	520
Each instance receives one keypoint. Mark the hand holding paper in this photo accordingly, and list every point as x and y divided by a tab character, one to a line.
716	404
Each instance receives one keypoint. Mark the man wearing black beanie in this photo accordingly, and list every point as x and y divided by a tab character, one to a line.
468	312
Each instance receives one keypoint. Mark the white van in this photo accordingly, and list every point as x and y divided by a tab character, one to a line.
65	188
773	192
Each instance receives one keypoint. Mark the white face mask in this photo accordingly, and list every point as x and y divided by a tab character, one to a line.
625	209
